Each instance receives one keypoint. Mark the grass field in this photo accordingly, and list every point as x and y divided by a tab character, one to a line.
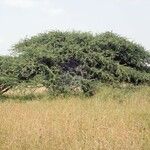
114	119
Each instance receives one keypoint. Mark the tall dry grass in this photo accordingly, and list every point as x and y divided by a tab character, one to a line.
113	119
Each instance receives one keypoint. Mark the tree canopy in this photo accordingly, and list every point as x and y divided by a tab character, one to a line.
64	61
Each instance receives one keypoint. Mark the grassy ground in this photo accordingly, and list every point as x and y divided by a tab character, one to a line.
114	119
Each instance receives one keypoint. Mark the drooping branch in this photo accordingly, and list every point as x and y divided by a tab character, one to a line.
4	88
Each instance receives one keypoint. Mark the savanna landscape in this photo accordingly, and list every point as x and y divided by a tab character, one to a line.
75	91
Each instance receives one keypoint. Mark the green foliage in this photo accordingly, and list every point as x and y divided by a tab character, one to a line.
8	77
66	61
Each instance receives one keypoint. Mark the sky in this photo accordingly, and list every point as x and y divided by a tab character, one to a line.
24	18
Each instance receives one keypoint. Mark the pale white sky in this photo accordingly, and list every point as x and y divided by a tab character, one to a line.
21	18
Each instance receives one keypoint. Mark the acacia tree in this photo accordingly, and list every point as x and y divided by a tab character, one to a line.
64	60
